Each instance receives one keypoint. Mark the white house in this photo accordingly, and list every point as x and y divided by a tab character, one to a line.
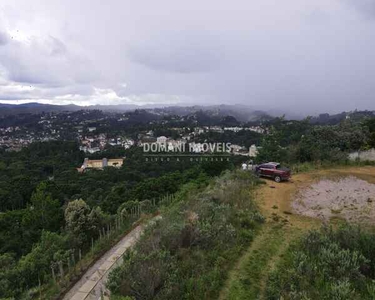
161	139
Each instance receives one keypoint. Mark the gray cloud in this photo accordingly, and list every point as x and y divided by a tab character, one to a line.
365	7
57	47
3	38
179	51
301	55
44	60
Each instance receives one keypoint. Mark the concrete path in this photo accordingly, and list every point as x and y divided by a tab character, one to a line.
92	284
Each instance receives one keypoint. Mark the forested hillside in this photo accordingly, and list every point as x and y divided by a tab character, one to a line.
48	208
295	142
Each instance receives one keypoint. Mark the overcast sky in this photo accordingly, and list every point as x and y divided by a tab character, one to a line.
301	55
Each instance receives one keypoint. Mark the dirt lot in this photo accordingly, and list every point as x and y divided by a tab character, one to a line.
311	197
347	197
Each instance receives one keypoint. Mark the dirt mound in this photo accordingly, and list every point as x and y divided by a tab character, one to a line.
349	198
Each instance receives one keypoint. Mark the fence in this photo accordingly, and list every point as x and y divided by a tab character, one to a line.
70	266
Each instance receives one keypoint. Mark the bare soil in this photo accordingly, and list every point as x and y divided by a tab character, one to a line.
348	198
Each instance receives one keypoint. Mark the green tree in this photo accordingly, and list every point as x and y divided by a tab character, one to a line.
43	213
8	275
37	264
370	124
81	222
45	208
271	150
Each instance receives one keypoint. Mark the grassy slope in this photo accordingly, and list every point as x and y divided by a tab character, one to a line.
205	229
248	277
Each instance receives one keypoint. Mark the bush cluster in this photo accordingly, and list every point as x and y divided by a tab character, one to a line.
327	264
186	254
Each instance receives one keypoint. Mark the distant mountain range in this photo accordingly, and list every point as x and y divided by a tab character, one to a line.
36	108
240	112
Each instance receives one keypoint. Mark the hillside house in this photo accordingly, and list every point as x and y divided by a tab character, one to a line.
99	164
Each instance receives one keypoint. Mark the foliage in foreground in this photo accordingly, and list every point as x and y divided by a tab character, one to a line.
327	264
186	254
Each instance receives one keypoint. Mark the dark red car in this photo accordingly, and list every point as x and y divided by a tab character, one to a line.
273	170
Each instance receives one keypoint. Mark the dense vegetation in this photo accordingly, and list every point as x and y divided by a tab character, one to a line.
186	254
301	141
327	264
47	208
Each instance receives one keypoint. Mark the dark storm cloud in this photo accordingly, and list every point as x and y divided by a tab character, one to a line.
45	61
365	7
178	51
3	38
300	55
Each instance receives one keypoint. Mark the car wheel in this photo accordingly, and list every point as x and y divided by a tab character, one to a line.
277	178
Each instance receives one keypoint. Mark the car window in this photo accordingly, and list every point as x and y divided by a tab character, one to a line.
278	167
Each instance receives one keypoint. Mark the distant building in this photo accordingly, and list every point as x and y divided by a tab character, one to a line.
93	150
236	148
234	129
257	129
100	163
198	130
216	129
146	140
127	143
113	142
161	139
91	129
253	151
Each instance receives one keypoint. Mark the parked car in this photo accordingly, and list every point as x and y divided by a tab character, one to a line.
273	170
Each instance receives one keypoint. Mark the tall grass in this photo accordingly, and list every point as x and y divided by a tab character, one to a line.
187	254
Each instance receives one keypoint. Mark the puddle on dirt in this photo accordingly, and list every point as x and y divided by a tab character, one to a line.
349	198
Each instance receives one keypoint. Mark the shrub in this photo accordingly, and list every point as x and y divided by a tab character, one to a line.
186	254
327	264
